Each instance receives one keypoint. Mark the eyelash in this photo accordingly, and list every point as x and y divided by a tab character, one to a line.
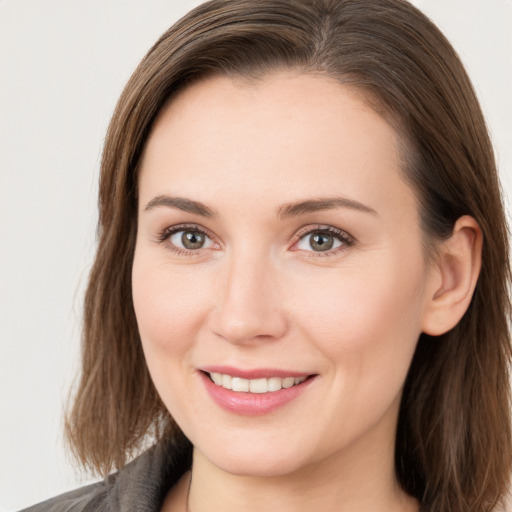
342	236
167	233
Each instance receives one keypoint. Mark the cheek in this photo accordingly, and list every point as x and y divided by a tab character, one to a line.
365	318
365	322
167	304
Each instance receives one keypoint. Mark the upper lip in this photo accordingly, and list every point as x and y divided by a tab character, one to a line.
256	373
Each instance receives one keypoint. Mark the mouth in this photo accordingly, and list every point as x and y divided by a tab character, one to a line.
259	386
254	392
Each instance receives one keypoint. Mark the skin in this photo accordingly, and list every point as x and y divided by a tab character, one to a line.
258	294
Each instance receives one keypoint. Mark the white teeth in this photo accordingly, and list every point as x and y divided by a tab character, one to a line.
227	381
288	382
238	384
275	384
255	385
258	386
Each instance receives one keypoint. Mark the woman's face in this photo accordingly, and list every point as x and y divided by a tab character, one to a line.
278	244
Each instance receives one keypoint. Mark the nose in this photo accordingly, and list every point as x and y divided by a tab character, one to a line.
250	306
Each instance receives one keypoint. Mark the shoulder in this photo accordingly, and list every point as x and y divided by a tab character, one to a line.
139	486
89	498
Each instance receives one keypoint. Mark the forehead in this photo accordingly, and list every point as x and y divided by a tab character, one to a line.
295	133
266	99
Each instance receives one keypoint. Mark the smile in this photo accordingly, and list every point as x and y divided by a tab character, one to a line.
254	392
262	385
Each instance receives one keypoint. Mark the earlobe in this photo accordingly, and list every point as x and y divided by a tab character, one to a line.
453	277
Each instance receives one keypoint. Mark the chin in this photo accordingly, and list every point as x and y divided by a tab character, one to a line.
255	460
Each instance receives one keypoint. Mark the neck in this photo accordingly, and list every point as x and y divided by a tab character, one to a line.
345	482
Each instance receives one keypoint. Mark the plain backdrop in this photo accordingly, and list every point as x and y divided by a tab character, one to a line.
63	64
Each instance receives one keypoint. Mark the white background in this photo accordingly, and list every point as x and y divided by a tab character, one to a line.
63	64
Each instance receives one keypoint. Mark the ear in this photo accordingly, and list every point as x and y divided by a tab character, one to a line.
453	277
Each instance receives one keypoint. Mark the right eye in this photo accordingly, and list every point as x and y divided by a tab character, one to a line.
190	240
186	240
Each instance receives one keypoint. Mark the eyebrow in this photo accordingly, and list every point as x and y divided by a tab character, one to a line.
181	203
315	205
285	211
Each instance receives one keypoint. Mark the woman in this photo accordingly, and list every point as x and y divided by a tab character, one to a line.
300	290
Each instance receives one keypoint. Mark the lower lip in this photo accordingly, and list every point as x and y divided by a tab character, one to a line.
253	404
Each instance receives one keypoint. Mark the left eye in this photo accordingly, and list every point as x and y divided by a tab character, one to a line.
320	241
190	240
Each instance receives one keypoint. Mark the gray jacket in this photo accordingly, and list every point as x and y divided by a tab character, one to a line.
140	486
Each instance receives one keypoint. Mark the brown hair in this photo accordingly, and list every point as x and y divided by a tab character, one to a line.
453	447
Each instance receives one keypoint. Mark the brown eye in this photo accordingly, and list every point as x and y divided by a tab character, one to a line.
190	239
321	241
324	240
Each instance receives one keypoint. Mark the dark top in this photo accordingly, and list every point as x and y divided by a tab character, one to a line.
141	486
